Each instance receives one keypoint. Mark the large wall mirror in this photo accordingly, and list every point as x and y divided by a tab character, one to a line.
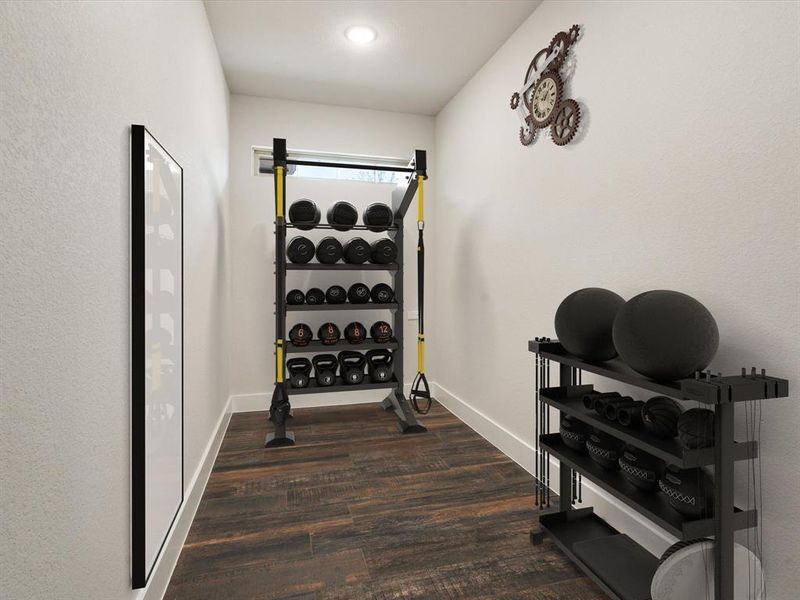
156	349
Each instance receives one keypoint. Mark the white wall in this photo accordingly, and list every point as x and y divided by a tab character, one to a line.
255	122
75	76
685	177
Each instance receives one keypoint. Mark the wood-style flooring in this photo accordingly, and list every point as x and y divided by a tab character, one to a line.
357	511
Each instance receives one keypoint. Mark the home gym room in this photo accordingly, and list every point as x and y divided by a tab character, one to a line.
419	300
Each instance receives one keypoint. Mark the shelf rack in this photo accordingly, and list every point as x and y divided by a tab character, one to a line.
402	197
588	540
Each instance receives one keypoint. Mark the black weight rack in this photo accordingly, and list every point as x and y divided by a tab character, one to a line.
574	529
402	197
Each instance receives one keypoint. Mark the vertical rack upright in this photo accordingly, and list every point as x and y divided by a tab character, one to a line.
402	196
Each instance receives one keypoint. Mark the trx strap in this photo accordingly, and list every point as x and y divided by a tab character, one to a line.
420	390
280	407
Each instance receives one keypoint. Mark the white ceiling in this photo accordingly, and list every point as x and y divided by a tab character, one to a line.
425	51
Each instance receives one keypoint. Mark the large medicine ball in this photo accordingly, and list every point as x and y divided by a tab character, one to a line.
584	321
304	214
378	217
665	335
342	216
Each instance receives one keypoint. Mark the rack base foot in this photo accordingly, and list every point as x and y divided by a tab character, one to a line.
406	420
537	537
275	441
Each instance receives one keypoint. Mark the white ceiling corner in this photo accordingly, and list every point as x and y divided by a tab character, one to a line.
296	50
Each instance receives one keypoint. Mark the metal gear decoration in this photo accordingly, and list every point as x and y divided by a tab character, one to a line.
565	123
539	103
527	133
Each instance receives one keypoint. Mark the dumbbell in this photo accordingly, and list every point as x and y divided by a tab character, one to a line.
300	249
315	296
299	372
336	294
351	367
295	297
382	293
379	365
378	217
355	333
610	411
383	252
329	250
328	334
300	334
357	251
304	214
358	293
590	399
324	369
381	332
342	216
630	415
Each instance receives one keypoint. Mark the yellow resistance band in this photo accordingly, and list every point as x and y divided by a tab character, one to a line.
279	361
421	352
421	200
279	199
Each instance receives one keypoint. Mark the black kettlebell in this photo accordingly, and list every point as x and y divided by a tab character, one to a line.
329	251
300	250
295	297
382	293
379	365
300	334
358	293
351	367
299	372
324	369
357	251
355	333
383	252
315	296
336	294
328	334
381	332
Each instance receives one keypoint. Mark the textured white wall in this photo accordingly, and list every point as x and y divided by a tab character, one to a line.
74	77
685	177
255	122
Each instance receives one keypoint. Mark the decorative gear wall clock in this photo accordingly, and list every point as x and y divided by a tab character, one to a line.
540	102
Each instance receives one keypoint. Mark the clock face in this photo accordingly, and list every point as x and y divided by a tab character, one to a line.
542	100
545	97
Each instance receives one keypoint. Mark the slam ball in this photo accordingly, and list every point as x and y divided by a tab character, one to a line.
584	321
665	335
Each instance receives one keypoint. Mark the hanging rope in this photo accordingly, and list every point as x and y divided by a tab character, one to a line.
420	390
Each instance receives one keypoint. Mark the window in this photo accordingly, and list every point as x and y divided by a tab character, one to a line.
262	165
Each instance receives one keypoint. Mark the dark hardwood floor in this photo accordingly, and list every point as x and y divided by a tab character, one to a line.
357	511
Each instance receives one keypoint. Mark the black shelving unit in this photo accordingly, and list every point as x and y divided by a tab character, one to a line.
402	197
585	537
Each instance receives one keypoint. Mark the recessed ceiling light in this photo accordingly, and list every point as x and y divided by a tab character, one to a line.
360	34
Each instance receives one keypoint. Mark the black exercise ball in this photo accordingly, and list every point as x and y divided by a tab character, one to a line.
584	320
665	335
696	429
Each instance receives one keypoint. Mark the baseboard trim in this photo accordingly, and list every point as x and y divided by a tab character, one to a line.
260	401
522	452
164	567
